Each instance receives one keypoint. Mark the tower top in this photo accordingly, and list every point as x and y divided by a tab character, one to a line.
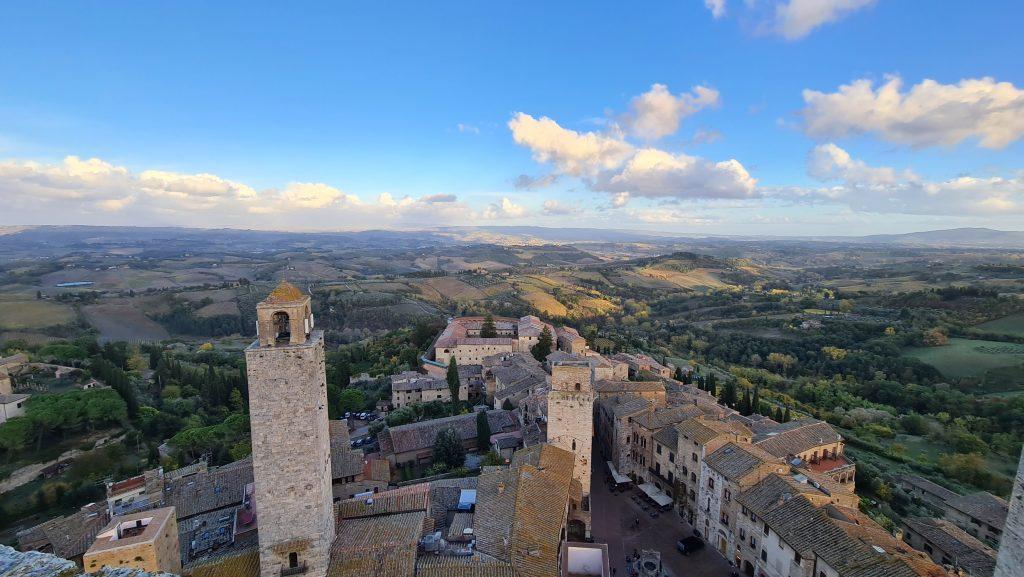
285	292
285	317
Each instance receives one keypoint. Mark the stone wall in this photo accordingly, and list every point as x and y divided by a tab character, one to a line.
1010	562
291	454
571	419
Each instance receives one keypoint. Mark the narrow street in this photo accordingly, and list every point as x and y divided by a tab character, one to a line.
613	516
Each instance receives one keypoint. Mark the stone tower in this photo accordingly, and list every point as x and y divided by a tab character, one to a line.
571	427
291	450
1011	546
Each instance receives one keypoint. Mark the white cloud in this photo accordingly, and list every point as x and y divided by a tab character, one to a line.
570	151
527	182
554	208
192	191
797	18
655	173
792	19
608	163
467	128
669	216
717	7
657	113
504	209
886	190
928	114
828	162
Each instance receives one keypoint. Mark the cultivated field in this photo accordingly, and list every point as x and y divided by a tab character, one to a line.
123	322
29	314
969	358
1011	325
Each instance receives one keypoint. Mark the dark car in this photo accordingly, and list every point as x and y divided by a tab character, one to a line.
689	544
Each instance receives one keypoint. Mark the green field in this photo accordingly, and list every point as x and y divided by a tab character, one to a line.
29	314
1011	325
969	358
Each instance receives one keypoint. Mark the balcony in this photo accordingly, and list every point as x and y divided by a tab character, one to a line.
297	570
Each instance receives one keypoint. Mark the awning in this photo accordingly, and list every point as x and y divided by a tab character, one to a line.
656	494
618	477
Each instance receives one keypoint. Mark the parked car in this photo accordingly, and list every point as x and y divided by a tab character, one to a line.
689	544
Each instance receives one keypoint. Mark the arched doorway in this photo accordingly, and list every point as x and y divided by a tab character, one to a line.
282	326
577	530
748	569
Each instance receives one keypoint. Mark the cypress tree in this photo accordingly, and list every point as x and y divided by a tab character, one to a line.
544	345
786	417
453	380
746	408
483	432
729	394
488	331
755	404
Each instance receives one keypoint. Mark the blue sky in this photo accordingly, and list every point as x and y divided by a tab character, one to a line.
404	115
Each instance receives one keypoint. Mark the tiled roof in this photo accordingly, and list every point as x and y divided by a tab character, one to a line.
804	435
703	430
478	565
983	506
668	437
541	502
733	460
401	500
976	557
13	398
69	536
461	521
613	386
776	489
380	546
213	489
928	487
624	405
417	436
664	417
444	496
243	564
411	381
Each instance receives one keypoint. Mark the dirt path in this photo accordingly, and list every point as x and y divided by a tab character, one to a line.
29	473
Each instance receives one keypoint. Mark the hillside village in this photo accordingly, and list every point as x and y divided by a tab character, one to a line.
568	458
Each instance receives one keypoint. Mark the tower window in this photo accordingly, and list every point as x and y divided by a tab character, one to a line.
293	558
282	326
577	386
574	444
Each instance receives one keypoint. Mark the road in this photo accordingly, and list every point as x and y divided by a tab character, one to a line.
30	473
613	515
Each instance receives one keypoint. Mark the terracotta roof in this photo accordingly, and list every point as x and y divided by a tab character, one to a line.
478	565
208	490
285	292
401	500
796	437
612	386
983	506
444	496
668	437
243	564
624	405
928	487
703	430
733	460
69	536
964	549
664	417
380	546
118	487
461	521
418	436
411	381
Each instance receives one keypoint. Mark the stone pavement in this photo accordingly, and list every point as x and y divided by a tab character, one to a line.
613	518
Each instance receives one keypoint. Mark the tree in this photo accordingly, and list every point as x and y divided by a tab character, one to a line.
542	349
935	338
679	374
755	402
483	431
729	393
778	415
746	407
448	448
453	380
236	402
487	331
712	384
351	401
786	417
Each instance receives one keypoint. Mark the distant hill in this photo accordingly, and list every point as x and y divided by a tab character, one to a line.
961	237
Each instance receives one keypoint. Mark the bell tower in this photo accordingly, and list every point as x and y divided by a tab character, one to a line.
291	450
571	427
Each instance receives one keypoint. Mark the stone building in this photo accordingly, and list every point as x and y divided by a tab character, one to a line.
412	387
1011	551
461	339
814	442
291	449
146	540
571	427
980	514
413	443
949	545
695	440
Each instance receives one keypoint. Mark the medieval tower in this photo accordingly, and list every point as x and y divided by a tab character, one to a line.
291	450
571	427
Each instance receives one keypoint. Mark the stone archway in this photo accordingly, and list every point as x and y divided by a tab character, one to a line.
281	325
